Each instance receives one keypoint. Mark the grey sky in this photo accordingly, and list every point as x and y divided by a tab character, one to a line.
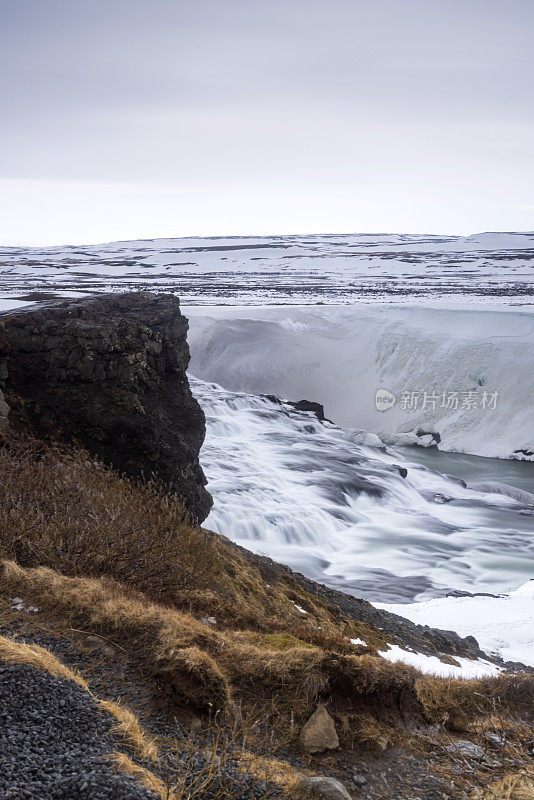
133	118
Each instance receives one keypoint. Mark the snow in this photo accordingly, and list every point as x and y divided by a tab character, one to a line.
358	642
299	608
503	626
431	665
339	356
488	268
11	303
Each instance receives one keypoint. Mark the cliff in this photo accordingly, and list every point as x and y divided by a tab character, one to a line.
108	373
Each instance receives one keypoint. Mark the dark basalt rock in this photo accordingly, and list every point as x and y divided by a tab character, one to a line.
308	405
108	373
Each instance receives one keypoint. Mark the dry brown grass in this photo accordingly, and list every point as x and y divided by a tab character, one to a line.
476	698
169	644
154	784
37	657
130	730
209	668
64	510
61	509
518	786
271	770
198	663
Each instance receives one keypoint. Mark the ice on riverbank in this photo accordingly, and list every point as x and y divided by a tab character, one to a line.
503	626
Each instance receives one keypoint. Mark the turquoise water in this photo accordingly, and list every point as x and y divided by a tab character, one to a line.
473	468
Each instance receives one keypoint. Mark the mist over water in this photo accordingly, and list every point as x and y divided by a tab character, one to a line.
302	492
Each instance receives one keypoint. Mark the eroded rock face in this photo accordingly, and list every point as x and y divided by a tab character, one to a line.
108	373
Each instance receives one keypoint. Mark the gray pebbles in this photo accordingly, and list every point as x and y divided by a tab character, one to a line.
54	741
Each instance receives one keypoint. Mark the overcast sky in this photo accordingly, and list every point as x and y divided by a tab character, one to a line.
140	118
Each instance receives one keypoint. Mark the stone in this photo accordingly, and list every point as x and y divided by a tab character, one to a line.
467	749
359	779
457	721
318	733
211	757
496	739
359	436
94	642
308	405
4	411
323	787
108	373
379	745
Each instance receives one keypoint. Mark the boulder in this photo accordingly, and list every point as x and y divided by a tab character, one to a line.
379	745
322	787
467	749
318	733
457	721
308	405
359	436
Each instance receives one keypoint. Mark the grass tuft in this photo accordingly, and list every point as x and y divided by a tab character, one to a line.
37	657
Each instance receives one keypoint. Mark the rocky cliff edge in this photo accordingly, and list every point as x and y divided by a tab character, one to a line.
108	373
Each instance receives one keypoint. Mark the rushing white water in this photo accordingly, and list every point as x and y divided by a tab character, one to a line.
303	493
340	357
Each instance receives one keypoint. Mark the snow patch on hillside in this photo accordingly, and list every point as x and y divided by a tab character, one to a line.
503	625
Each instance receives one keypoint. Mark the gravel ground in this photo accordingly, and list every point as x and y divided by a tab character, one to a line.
53	740
111	678
115	676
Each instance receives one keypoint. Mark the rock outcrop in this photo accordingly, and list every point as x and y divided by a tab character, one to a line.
108	373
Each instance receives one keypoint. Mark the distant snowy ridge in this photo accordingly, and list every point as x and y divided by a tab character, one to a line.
486	268
464	375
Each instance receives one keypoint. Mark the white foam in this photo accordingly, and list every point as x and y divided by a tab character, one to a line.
306	495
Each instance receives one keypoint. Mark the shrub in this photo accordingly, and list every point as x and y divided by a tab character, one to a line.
64	510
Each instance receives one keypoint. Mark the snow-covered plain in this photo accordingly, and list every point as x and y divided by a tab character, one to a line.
444	367
487	268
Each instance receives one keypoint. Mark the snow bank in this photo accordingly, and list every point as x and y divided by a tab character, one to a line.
431	665
474	366
503	626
